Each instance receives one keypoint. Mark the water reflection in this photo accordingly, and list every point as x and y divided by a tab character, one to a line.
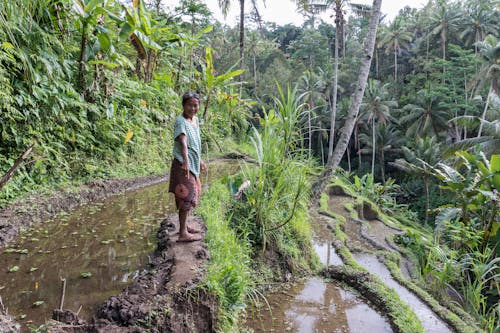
317	306
430	321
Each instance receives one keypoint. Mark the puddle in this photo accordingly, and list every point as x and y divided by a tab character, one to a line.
316	306
322	241
430	321
99	248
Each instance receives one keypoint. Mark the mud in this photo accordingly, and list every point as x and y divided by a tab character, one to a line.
38	208
7	322
164	298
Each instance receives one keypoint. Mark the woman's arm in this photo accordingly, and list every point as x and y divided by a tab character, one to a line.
184	152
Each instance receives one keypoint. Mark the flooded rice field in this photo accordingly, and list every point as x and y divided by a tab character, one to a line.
314	305
430	321
98	248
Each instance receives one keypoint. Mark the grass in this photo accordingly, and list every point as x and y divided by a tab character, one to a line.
229	273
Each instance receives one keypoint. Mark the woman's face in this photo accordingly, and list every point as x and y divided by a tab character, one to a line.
191	107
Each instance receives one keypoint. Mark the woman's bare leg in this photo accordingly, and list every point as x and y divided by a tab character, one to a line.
184	234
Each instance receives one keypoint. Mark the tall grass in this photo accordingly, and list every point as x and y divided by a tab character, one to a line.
274	215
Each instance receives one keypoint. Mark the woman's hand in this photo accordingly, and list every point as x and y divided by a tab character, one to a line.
204	167
185	167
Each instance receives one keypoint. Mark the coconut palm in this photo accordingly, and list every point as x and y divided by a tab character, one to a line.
424	116
225	4
311	87
387	138
489	72
347	129
478	21
394	39
443	20
376	108
420	161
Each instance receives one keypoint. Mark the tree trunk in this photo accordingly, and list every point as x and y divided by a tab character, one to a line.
427	204
15	166
382	165
346	131
483	116
242	36
443	48
373	146
335	88
395	65
81	59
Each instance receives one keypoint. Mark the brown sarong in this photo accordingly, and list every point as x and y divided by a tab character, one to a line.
186	191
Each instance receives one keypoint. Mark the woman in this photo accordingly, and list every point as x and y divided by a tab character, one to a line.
187	164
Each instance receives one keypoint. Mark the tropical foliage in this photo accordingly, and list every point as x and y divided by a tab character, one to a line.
94	86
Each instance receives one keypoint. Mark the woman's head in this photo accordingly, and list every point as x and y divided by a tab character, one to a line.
190	104
188	95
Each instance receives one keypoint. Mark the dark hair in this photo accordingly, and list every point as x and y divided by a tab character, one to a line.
188	95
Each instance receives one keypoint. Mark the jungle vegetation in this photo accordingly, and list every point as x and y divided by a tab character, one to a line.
89	89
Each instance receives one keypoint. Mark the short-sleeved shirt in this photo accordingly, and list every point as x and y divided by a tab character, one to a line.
192	133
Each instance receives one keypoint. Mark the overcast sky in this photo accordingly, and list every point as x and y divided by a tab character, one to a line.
283	11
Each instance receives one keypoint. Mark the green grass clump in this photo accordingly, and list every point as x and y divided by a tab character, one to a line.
229	275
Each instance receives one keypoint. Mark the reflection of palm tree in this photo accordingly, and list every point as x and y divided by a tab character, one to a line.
376	108
424	117
394	39
419	161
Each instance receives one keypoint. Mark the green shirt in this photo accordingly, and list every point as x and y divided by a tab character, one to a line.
192	133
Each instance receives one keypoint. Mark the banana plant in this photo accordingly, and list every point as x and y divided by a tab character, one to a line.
90	14
213	83
475	182
140	30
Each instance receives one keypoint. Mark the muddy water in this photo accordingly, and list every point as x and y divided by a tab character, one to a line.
98	248
314	305
322	241
430	321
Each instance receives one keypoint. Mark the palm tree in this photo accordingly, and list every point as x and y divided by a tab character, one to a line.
225	4
424	117
376	108
420	161
489	143
443	20
321	5
347	129
490	71
311	87
478	21
388	139
394	39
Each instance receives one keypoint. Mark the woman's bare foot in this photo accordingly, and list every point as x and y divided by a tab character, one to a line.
189	238
193	230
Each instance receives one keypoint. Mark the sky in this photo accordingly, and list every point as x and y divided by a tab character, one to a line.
283	11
